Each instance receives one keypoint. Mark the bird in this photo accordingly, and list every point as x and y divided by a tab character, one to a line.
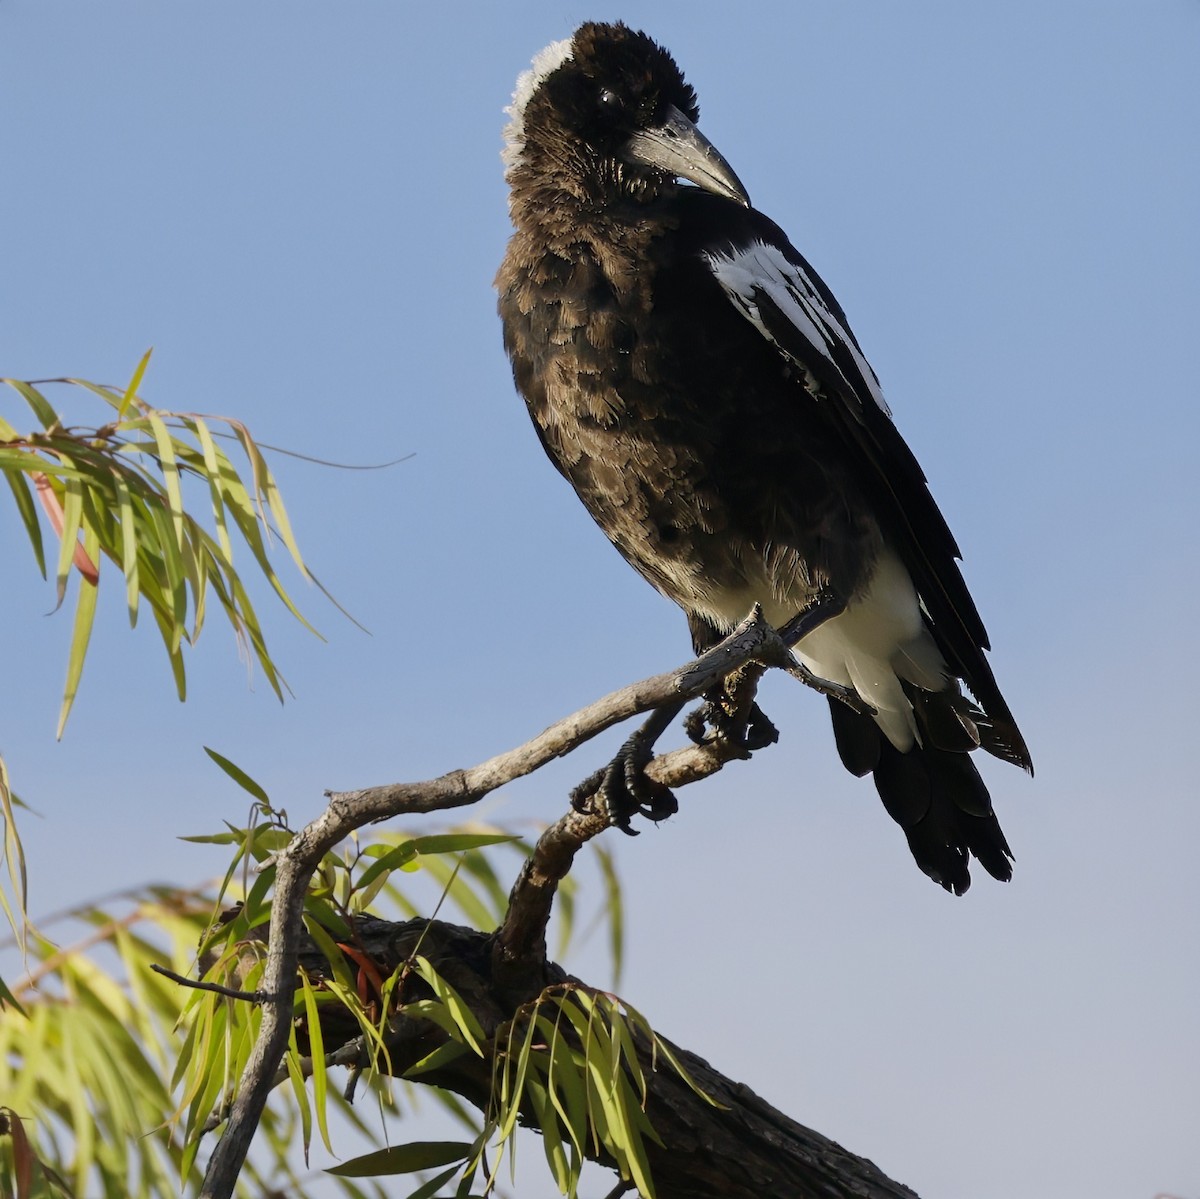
699	386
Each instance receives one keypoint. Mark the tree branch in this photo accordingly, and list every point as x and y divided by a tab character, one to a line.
739	1148
753	640
215	988
520	944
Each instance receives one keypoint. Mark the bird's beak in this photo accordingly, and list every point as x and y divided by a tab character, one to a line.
679	148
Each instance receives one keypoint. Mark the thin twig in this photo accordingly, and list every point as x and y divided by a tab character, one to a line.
216	988
753	640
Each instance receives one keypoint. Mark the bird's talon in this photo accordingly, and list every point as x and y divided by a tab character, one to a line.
622	790
716	719
662	804
759	731
583	796
695	724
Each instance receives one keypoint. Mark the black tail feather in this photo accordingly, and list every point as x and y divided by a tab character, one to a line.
936	796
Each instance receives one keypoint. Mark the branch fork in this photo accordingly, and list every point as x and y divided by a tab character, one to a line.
518	947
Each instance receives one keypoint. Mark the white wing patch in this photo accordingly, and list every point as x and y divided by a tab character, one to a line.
544	62
762	269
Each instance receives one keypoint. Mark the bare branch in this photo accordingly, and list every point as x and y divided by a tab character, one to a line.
216	988
520	945
754	640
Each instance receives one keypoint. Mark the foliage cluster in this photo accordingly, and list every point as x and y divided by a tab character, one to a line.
113	1075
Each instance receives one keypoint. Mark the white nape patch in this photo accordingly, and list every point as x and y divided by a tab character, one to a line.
763	269
544	62
877	641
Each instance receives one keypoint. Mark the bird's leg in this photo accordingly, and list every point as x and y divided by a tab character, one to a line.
623	787
824	606
730	712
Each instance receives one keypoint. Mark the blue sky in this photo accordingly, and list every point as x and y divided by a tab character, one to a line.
301	208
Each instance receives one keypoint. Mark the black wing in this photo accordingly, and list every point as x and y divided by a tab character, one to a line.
770	283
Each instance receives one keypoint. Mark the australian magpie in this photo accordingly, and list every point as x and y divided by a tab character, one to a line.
699	386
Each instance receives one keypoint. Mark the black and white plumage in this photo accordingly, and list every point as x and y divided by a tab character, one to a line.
700	387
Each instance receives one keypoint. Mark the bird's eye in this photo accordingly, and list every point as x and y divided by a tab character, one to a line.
610	99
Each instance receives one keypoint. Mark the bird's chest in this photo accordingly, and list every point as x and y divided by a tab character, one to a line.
611	388
681	436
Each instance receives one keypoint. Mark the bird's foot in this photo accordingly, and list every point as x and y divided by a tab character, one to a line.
623	789
730	713
716	718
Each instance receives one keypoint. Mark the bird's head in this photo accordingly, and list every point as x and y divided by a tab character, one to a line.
607	115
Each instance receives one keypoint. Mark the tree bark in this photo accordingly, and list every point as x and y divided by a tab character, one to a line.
743	1149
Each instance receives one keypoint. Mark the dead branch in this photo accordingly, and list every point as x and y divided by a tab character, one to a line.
753	641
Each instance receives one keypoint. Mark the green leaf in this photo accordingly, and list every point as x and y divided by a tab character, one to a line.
14	862
264	841
129	547
320	1076
72	515
330	951
173	617
631	1142
437	1013
29	517
40	405
441	843
134	384
428	1189
9	1000
405	1159
174	654
446	869
321	911
299	1090
85	612
170	472
110	397
547	1117
282	523
459	1011
614	908
478	866
246	517
363	897
519	1073
565	1075
392	859
256	910
626	1051
661	1046
239	776
216	466
214	839
443	1055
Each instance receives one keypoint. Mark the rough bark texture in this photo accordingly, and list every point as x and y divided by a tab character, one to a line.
745	1149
